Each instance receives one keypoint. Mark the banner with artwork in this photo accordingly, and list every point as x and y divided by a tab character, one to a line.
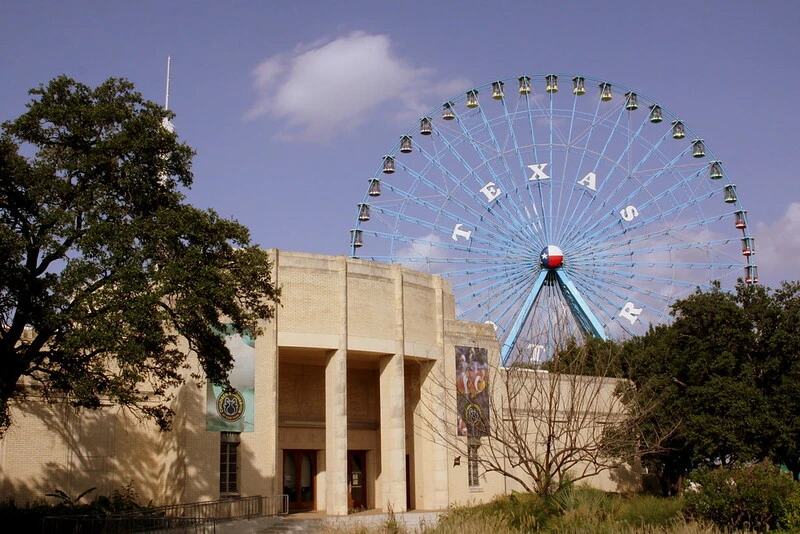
233	410
472	387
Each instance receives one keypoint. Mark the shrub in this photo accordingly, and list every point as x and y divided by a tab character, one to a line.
572	497
650	510
791	510
741	497
27	518
479	520
522	512
31	516
124	500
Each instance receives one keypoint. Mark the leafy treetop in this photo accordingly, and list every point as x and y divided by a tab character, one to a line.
105	270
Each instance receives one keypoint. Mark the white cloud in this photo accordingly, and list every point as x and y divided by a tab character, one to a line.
323	88
426	247
778	248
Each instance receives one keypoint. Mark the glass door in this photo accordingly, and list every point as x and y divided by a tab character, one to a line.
299	477
357	479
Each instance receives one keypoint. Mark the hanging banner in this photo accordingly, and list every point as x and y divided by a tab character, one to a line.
232	410
472	390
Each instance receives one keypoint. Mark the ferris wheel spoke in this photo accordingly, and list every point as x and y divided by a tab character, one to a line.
457	230
590	177
615	124
633	171
482	270
491	287
491	283
497	307
607	270
599	295
677	238
615	281
501	305
616	251
429	245
603	217
645	222
520	204
491	189
469	211
538	167
623	221
628	314
568	149
671	234
480	148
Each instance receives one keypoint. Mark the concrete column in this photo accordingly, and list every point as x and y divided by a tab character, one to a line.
336	433
431	458
336	494
393	440
393	415
431	455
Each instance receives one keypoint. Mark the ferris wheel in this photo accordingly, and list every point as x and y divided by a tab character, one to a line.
556	213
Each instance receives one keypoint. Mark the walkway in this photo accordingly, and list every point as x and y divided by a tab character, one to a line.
315	522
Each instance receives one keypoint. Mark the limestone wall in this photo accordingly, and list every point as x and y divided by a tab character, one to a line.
358	357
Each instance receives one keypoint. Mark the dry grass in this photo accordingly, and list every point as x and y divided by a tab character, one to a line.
580	512
497	525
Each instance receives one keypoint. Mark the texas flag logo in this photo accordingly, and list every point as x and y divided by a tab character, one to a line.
552	257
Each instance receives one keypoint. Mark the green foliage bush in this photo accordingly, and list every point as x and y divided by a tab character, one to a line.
581	506
571	510
650	510
523	512
790	519
464	521
755	497
31	516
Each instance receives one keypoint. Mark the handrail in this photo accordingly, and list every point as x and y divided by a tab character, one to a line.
197	517
237	508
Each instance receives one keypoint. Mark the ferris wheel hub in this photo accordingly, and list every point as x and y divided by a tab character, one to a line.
552	257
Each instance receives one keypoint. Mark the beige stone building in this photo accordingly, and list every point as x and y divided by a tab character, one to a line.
344	382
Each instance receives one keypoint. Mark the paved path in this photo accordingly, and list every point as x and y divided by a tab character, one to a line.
312	522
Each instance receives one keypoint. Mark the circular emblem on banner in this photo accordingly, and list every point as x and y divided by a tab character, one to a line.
230	405
472	413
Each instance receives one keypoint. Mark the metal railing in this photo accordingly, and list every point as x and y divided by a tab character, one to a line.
195	518
243	508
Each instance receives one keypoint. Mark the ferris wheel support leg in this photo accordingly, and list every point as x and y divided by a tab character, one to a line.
522	318
588	321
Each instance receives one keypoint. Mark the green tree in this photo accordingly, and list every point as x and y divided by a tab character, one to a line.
590	356
105	270
725	376
778	371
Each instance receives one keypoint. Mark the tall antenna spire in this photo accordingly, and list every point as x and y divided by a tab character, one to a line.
163	176
166	122
166	104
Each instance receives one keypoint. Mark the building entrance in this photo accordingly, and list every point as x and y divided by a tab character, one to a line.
357	479
299	478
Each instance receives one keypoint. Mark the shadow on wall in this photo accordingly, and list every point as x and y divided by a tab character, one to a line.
111	449
628	479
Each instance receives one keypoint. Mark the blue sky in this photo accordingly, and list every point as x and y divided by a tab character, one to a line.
290	105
